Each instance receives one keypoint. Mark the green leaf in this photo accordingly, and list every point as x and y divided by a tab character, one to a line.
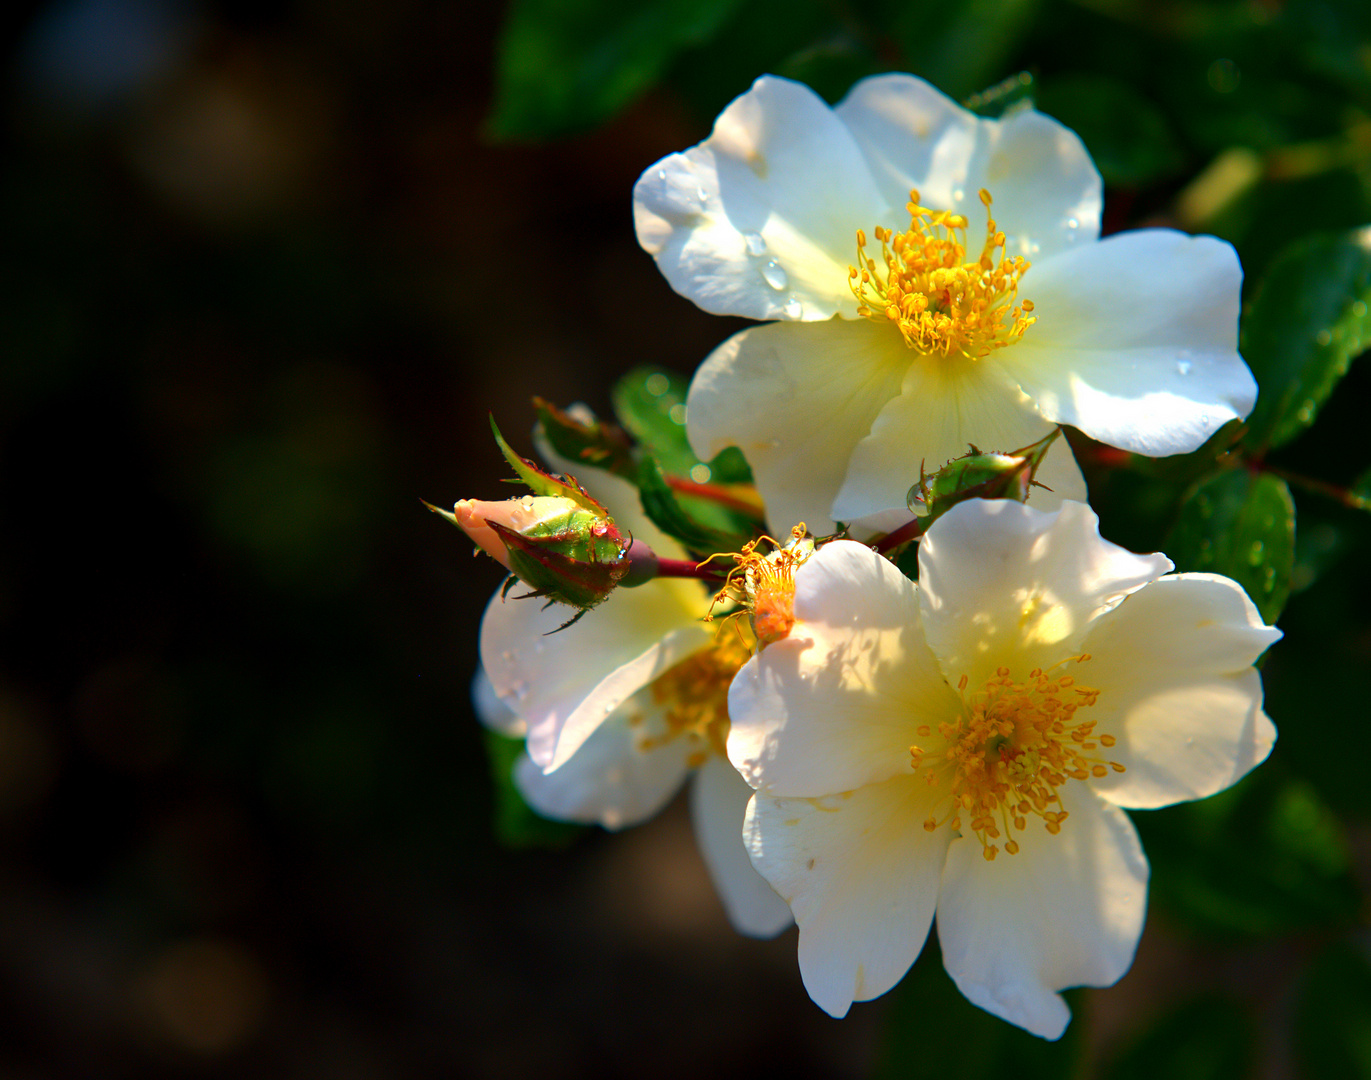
517	825
650	404
1332	1026
585	442
1242	525
567	65
664	508
1204	1037
963	47
1308	320
1265	857
1127	136
933	1031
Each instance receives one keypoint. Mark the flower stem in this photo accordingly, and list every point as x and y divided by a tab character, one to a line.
733	498
1335	492
910	530
684	568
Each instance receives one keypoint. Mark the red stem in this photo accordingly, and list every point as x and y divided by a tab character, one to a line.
910	530
1308	483
687	569
714	493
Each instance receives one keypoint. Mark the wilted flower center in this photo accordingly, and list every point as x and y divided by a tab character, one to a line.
943	304
763	586
1009	751
694	695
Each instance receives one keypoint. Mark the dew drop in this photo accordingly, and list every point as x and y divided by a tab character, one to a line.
755	244
1359	309
1072	223
774	275
702	194
1183	367
1324	337
793	308
958	195
661	174
1255	553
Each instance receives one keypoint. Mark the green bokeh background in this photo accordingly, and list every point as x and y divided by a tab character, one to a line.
266	269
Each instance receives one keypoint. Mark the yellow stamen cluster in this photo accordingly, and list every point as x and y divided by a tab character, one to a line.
694	696
943	304
1005	757
763	586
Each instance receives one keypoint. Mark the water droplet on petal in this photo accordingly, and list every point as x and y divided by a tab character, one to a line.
661	174
755	244
1255	553
1072	223
702	194
774	275
958	195
1183	367
793	308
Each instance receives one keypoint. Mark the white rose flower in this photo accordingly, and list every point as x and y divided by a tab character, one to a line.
965	744
943	338
621	707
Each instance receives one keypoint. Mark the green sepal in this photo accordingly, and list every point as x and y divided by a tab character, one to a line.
582	582
594	442
980	475
542	482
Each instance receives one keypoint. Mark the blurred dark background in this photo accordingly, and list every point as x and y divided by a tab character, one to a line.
263	279
265	271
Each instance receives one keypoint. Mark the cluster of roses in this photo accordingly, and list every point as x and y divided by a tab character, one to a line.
868	749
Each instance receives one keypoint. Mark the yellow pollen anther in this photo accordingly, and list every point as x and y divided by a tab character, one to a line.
763	586
1009	751
945	302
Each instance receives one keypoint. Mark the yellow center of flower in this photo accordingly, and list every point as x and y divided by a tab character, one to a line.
694	697
943	303
1012	747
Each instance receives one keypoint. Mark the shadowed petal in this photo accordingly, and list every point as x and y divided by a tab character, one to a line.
834	705
1067	910
718	804
610	781
1177	689
943	407
796	400
761	218
1047	193
565	682
860	873
1136	341
1002	582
